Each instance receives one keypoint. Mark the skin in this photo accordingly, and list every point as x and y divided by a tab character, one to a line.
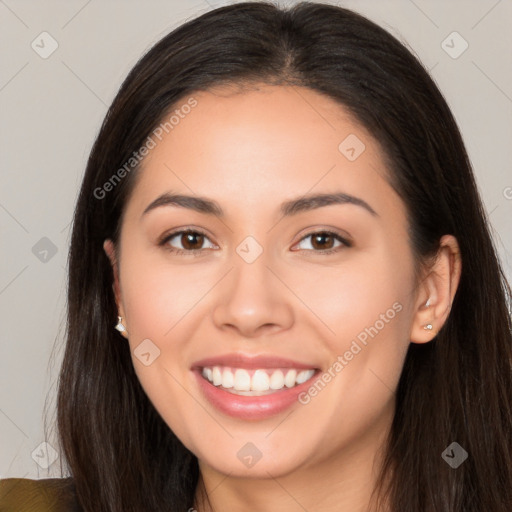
250	151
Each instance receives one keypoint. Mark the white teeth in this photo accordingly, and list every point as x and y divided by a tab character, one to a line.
217	376
277	380
242	380
227	379
289	380
304	376
262	379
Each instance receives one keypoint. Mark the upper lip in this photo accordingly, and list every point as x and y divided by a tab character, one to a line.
239	360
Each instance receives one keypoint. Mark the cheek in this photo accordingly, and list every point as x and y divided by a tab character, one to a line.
351	295
163	384
158	299
157	294
365	305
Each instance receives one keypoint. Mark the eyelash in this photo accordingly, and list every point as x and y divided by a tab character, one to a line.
197	252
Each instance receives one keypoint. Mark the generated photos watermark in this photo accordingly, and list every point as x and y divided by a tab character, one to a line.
343	360
149	144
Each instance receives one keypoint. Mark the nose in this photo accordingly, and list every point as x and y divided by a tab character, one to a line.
253	300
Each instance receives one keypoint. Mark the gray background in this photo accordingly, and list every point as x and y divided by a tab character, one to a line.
51	110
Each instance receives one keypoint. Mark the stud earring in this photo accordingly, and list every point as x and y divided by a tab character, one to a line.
120	327
428	327
427	304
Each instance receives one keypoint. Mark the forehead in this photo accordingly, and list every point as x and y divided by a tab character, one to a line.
245	146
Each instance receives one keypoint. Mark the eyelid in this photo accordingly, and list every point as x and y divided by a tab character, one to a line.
340	234
164	239
346	241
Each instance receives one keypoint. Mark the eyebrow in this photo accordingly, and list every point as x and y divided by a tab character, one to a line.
288	208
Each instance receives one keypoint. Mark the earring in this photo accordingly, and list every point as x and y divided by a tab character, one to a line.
120	327
428	327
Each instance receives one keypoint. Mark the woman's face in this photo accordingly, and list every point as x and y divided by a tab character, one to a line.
253	282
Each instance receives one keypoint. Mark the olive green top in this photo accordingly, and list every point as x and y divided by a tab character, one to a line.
47	495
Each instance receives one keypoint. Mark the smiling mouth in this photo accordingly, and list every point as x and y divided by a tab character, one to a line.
255	382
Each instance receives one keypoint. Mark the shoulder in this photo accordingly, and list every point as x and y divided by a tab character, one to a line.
47	495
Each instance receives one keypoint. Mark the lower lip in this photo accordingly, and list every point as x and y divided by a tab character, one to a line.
251	407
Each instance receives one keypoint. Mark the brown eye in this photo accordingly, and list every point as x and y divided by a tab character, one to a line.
324	242
191	241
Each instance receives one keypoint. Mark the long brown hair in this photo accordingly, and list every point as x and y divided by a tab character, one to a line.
458	388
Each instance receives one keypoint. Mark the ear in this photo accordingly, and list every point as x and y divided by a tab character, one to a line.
439	286
110	250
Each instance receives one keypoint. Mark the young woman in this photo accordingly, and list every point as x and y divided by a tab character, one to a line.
283	293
